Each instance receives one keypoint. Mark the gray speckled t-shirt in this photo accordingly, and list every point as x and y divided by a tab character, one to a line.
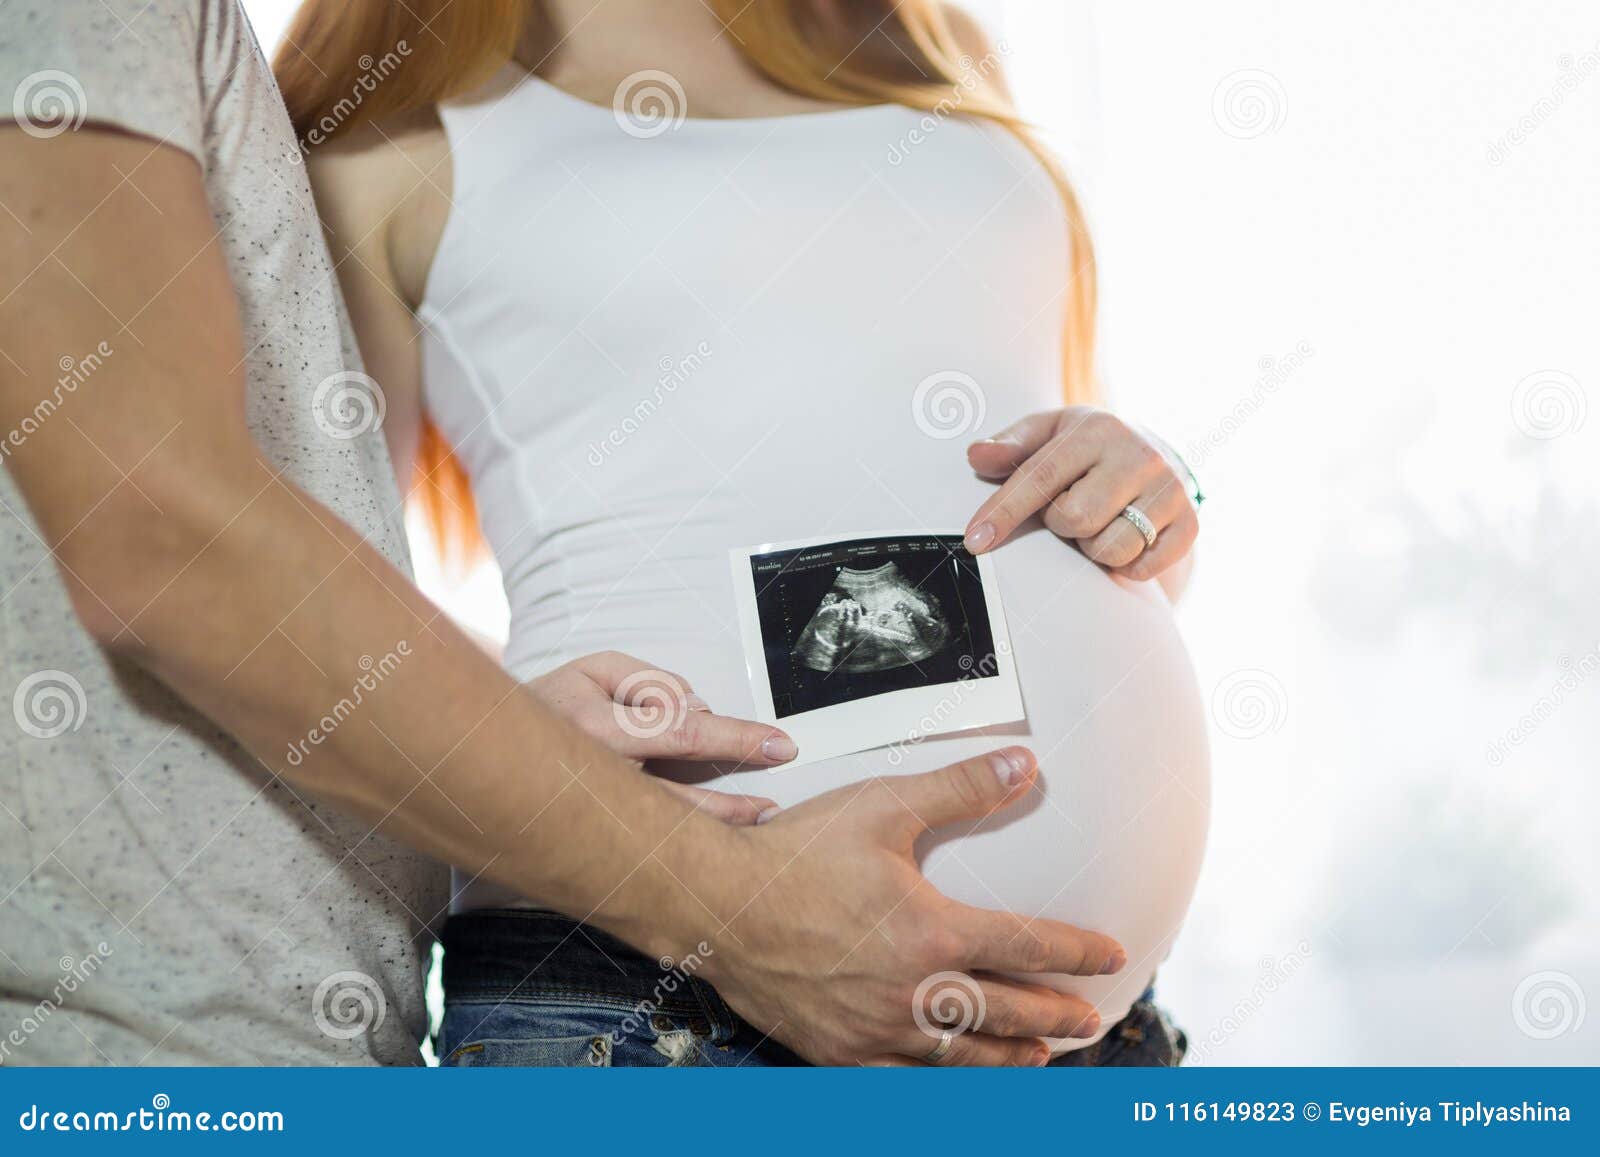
163	898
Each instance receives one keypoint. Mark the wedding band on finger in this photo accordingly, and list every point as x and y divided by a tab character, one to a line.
1141	523
939	1051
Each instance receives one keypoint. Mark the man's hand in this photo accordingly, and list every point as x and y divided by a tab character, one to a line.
837	928
646	713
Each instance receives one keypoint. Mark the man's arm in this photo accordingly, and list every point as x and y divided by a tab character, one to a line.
186	553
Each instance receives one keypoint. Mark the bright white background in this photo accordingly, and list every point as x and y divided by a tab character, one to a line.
1399	560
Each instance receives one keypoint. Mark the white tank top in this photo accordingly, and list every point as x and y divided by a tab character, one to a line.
648	350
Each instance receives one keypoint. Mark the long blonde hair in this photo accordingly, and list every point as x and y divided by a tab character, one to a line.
861	52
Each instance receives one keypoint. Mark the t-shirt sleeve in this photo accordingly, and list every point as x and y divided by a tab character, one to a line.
128	64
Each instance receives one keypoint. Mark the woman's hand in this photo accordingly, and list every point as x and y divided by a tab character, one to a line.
644	713
1081	467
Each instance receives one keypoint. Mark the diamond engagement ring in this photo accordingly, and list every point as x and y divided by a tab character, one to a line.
1141	523
937	1053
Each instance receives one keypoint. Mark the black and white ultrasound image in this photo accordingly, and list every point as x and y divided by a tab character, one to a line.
863	617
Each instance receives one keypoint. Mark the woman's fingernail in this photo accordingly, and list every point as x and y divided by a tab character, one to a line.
779	747
980	536
1090	1026
768	814
1114	963
696	703
1009	766
1041	1058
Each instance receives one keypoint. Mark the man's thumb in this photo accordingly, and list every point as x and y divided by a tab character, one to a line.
968	790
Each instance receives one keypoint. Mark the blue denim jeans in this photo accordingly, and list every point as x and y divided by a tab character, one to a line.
535	988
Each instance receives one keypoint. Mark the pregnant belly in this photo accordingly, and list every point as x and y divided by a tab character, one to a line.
1112	838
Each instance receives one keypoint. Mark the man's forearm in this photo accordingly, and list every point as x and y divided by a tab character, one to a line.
274	618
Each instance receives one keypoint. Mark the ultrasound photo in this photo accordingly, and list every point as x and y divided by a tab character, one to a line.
847	620
872	620
877	630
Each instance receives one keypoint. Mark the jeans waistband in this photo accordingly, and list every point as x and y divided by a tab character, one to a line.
531	956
